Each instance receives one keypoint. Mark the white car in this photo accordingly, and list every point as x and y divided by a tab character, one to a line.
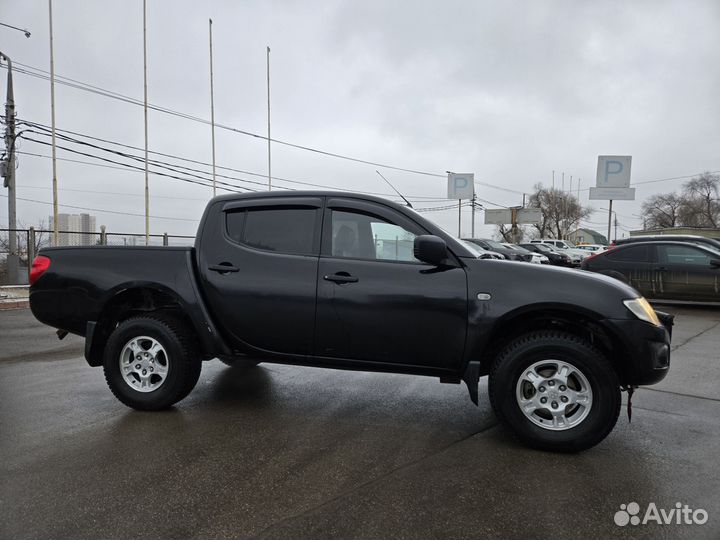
593	248
577	255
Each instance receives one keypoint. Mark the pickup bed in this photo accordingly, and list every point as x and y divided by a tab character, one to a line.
338	280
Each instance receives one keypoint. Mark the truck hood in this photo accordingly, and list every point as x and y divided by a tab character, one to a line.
513	285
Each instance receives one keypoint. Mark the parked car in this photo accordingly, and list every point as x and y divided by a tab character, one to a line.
577	255
324	279
694	239
535	258
483	253
498	247
555	257
663	270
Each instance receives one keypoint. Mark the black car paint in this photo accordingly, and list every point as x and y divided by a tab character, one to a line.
662	280
509	253
396	317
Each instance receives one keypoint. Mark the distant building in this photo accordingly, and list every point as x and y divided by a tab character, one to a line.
587	236
75	230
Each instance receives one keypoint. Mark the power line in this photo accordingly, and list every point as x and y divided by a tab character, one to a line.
103	210
174	167
119	193
189	180
79	85
42	74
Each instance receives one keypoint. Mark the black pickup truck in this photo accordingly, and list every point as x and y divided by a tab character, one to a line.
338	280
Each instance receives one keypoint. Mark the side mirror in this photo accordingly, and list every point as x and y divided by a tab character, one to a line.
715	263
430	249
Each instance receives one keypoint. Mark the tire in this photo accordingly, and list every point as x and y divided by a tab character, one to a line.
591	391
175	365
238	362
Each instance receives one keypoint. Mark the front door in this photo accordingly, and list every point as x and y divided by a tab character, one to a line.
376	302
686	273
258	266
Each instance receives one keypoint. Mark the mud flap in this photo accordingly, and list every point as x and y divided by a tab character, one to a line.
472	378
630	391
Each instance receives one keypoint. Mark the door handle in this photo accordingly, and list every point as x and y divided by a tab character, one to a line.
341	277
223	268
661	269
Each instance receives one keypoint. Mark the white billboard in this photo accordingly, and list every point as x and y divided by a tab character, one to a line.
612	194
504	215
461	186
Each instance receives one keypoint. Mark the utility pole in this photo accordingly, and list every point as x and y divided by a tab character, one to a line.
52	126
212	110
9	174
145	108
268	115
563	203
459	217
577	223
615	225
472	221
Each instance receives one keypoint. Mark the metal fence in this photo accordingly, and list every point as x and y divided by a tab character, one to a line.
30	241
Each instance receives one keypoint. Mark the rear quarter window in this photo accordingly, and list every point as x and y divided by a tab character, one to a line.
630	254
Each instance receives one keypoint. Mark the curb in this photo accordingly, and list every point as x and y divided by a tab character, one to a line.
19	303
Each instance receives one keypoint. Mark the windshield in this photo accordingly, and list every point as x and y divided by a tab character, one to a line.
473	247
518	248
495	245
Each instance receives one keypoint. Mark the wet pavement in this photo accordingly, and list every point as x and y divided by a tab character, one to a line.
288	452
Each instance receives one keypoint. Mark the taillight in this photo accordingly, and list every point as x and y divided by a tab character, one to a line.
39	266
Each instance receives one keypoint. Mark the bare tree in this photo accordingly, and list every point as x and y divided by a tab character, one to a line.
561	212
42	239
702	205
662	210
697	206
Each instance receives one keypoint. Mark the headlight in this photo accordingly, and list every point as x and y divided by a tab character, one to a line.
642	309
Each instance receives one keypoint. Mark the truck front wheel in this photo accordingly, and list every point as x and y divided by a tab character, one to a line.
150	363
555	391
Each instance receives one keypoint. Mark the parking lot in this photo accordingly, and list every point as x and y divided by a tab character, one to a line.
290	452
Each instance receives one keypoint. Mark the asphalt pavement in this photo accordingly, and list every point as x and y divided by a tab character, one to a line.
289	452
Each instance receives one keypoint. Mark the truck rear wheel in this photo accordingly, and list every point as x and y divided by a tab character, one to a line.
555	391
150	363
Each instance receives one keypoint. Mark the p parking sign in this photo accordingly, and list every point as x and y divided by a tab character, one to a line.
613	171
461	185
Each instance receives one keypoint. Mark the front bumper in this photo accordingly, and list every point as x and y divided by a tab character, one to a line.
645	355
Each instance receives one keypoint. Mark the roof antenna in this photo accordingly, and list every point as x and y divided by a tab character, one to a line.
395	190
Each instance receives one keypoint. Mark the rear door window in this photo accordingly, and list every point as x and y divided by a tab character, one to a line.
630	254
282	230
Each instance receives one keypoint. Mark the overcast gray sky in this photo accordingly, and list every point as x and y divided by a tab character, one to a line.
507	90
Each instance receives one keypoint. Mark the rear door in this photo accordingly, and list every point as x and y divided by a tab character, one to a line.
636	264
258	264
376	302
